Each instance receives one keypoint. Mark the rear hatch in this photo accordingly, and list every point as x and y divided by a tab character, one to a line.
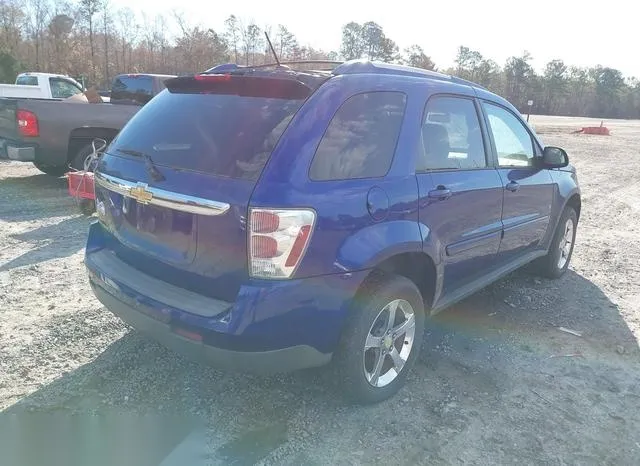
174	186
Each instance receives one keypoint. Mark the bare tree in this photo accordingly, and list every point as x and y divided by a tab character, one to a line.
251	41
11	17
39	15
415	56
59	30
286	43
232	34
88	9
106	25
128	30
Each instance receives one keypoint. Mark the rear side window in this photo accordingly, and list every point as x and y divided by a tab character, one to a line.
27	80
225	135
361	138
132	89
451	135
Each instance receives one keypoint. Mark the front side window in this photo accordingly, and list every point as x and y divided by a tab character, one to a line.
451	136
361	138
514	145
62	89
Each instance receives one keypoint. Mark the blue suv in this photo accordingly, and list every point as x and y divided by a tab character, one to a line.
272	219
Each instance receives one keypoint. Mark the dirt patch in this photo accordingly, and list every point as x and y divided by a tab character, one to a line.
496	383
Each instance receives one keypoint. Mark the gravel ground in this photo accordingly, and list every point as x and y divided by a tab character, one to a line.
496	383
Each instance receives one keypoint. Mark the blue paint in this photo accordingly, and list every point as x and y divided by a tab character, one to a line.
479	227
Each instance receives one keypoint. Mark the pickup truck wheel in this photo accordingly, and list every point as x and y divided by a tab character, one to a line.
381	339
51	170
556	262
80	160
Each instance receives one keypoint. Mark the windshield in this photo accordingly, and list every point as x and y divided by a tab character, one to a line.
225	135
134	89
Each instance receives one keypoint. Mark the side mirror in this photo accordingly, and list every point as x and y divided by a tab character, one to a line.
554	157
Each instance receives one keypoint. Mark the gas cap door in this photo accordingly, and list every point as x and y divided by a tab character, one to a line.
377	203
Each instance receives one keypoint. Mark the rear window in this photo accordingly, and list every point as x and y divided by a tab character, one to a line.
219	134
133	89
27	80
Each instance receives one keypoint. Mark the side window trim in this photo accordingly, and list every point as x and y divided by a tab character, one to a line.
488	156
487	137
537	149
71	83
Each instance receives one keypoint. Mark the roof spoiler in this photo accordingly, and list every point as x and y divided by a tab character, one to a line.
242	85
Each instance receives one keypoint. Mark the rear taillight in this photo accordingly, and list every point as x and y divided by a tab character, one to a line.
278	240
27	123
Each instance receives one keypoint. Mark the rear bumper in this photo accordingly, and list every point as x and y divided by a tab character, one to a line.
272	326
11	151
258	362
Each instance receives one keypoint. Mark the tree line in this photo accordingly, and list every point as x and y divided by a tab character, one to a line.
93	40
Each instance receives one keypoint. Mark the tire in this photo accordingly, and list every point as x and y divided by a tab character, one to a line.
557	260
356	366
51	170
78	161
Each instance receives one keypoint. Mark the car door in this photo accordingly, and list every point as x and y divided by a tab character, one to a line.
460	191
528	189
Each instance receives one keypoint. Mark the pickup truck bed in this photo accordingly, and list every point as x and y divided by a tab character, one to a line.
64	129
57	134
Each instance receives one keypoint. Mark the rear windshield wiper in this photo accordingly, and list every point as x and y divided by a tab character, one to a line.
152	170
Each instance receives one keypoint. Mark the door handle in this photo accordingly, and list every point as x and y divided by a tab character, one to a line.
440	193
512	186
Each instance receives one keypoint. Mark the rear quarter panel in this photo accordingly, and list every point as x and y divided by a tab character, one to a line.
346	237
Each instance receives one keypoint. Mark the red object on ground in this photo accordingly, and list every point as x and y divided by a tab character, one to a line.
81	185
601	130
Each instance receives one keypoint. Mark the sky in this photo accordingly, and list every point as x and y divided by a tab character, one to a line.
605	33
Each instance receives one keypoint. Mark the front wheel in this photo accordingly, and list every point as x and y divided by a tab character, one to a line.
381	340
556	262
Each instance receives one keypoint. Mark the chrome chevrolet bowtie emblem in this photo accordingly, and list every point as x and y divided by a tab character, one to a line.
139	193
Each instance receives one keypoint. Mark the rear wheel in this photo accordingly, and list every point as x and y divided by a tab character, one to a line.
381	340
81	159
556	262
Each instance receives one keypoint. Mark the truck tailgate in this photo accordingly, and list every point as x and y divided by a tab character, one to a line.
8	125
8	128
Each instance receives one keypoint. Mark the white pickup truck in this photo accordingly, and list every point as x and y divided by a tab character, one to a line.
41	86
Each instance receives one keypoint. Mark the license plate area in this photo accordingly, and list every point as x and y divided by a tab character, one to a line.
157	222
167	234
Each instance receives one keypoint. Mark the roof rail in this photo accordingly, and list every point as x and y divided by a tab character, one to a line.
325	65
373	67
349	67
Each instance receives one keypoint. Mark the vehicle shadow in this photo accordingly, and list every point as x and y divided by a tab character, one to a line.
54	241
496	362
